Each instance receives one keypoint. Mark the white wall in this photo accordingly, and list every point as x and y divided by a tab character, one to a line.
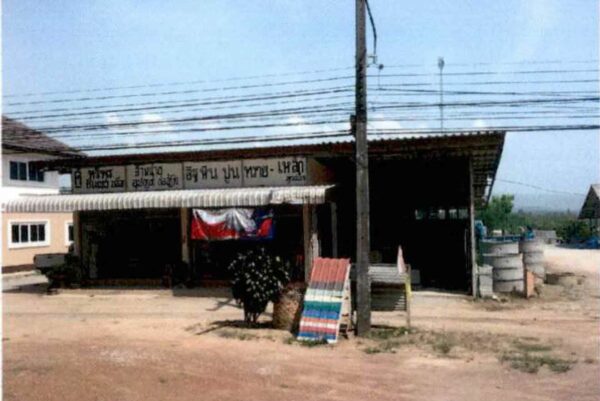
14	188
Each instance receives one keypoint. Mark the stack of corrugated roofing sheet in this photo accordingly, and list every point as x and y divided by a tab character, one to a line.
323	300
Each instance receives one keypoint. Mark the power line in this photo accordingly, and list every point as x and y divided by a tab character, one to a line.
243	105
224	141
542	62
479	73
329	79
124	108
177	83
264	76
287	95
160	105
523	184
179	92
413	134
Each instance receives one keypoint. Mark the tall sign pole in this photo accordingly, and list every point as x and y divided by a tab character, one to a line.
363	288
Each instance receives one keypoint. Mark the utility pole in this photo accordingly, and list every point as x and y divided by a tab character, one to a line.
441	67
363	287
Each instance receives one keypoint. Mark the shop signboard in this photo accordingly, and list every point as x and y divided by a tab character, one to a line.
154	177
99	179
274	172
285	171
198	175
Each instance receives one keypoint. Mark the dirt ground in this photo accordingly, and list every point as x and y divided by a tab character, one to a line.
161	345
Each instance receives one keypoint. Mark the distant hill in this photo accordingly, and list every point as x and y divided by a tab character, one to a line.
544	202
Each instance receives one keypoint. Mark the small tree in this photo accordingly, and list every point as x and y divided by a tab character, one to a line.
575	231
497	214
258	278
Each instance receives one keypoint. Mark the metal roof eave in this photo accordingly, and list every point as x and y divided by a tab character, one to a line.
229	197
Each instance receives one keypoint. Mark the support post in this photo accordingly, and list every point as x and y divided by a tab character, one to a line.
315	243
472	254
363	287
77	234
334	230
306	220
185	235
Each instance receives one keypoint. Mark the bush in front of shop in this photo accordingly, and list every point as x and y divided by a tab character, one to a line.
258	278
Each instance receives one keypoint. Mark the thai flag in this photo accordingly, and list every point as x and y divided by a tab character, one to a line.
226	224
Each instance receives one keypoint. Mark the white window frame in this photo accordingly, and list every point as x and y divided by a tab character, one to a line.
67	241
37	244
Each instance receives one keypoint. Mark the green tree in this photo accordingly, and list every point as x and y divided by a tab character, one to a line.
497	215
575	230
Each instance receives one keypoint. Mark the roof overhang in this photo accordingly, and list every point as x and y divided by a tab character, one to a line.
483	148
230	197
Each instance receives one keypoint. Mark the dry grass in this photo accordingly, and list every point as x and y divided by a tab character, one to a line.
237	334
532	362
526	354
292	340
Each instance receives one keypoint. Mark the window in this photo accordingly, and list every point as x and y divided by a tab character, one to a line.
24	234
18	171
35	173
21	171
69	233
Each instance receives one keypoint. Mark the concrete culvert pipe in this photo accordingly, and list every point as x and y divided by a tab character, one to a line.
507	271
530	245
499	247
533	258
509	286
503	260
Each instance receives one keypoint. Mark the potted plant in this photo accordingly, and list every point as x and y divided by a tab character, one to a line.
258	278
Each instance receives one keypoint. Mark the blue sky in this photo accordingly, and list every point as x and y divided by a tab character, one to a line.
72	45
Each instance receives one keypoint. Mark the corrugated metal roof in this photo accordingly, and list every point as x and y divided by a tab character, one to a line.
169	199
591	206
17	136
265	143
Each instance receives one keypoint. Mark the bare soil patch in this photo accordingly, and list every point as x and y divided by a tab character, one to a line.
157	345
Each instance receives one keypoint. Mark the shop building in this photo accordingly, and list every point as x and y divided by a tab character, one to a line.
28	234
133	213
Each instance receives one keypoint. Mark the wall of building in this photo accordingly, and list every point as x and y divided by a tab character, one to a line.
56	237
14	188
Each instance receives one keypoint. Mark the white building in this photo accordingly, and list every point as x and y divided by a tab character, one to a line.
26	234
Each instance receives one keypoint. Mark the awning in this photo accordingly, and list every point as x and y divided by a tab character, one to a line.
169	199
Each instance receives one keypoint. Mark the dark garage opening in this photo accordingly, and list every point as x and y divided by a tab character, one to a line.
423	206
134	244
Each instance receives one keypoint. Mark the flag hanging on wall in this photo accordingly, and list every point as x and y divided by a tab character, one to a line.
235	223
